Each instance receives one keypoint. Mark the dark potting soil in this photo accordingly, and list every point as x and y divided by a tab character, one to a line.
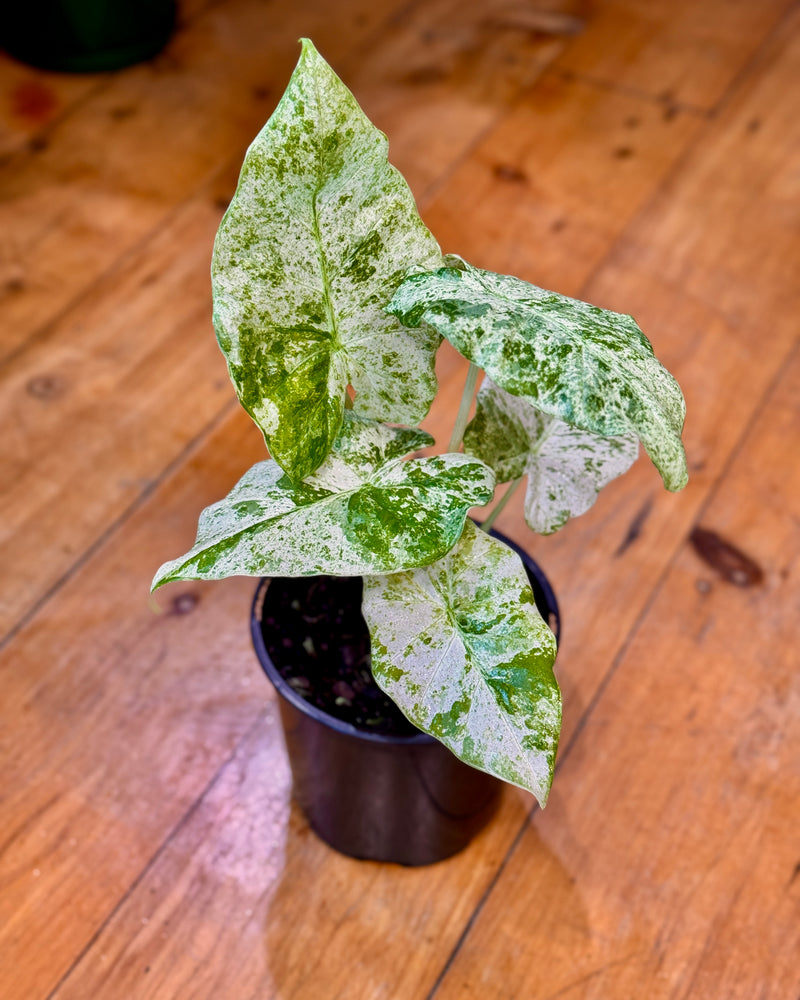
318	640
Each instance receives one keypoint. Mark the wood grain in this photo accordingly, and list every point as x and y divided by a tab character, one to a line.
147	844
159	355
552	186
703	269
666	863
209	918
108	742
689	840
94	414
107	177
680	52
33	100
447	72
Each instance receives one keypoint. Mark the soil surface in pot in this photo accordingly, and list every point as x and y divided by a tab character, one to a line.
318	640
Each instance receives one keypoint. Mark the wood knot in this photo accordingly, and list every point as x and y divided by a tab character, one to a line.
725	559
183	604
123	112
508	172
424	75
33	101
45	387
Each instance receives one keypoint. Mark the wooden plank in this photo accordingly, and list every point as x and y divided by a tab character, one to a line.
109	742
706	270
109	176
50	730
681	52
214	914
550	188
222	903
611	593
152	370
447	72
666	865
638	866
157	355
32	100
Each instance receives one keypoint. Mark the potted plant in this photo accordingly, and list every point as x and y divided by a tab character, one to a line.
330	301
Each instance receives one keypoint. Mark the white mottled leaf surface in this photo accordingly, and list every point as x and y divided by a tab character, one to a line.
366	510
566	466
461	648
319	234
593	368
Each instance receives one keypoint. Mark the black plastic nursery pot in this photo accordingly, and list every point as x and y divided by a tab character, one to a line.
393	795
86	36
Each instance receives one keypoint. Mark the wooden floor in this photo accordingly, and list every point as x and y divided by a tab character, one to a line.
644	154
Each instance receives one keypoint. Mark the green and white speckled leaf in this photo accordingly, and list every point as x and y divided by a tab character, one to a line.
463	651
319	234
588	366
566	466
366	510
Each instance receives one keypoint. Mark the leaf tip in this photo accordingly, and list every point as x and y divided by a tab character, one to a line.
307	47
676	475
163	575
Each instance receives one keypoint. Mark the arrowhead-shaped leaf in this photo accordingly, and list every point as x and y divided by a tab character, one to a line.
465	654
566	466
588	366
366	510
318	236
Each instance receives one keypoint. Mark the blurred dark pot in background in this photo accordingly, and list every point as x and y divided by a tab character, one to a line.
85	36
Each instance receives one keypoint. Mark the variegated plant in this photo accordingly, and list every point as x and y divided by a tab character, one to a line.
330	301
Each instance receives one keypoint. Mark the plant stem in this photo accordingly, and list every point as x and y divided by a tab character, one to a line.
487	524
463	409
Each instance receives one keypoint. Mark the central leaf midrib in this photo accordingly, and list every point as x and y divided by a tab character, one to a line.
323	261
476	674
323	266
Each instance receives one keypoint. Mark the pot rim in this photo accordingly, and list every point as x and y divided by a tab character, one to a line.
286	691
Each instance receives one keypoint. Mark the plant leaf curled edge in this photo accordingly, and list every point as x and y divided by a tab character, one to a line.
593	368
566	467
